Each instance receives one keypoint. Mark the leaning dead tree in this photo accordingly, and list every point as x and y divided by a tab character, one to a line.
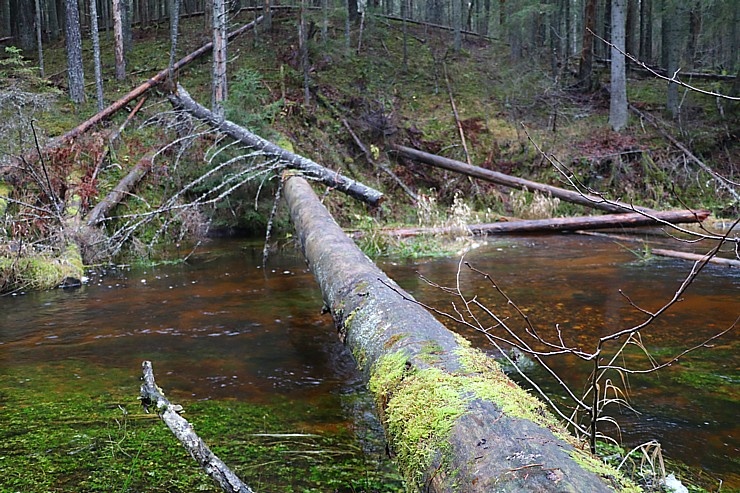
588	200
453	420
182	100
151	396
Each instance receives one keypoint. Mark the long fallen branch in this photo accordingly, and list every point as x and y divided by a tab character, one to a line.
160	77
564	224
152	396
182	100
587	200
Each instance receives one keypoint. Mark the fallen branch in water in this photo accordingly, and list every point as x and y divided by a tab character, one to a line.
152	396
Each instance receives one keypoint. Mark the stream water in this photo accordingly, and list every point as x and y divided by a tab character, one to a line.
221	327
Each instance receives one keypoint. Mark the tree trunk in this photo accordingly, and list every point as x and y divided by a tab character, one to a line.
303	53
646	31
585	68
618	111
73	42
672	47
564	224
452	418
174	27
95	35
181	99
127	18
267	14
515	182
6	28
39	44
121	191
457	16
22	27
118	40
219	83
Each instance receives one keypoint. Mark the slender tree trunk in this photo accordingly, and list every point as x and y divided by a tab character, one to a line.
220	87
646	31
632	33
618	104
324	21
457	20
303	52
404	15
174	26
127	17
73	42
118	40
585	69
347	28
267	16
208	15
672	46
39	44
95	35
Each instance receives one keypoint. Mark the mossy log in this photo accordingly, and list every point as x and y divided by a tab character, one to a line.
453	420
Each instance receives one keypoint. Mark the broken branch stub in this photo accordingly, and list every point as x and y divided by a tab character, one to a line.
452	418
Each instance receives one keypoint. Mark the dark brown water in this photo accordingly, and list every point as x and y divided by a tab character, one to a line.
220	327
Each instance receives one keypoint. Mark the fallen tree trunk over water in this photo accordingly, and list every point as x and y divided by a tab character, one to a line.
563	224
453	419
593	201
182	100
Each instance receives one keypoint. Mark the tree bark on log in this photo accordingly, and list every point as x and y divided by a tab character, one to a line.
182	100
694	257
151	396
448	410
124	187
515	182
565	224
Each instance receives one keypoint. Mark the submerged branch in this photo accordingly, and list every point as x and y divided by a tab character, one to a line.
152	396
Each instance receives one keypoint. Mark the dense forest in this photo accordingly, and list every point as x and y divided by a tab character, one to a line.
646	91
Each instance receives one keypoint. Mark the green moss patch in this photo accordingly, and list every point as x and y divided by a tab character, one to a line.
64	428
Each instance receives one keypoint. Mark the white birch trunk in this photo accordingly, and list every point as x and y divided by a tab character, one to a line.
118	40
95	34
219	85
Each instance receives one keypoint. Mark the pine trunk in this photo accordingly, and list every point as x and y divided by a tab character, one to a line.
73	42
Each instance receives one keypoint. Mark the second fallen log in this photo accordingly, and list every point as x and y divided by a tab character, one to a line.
182	100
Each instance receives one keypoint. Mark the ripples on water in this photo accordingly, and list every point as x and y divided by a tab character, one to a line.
219	327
